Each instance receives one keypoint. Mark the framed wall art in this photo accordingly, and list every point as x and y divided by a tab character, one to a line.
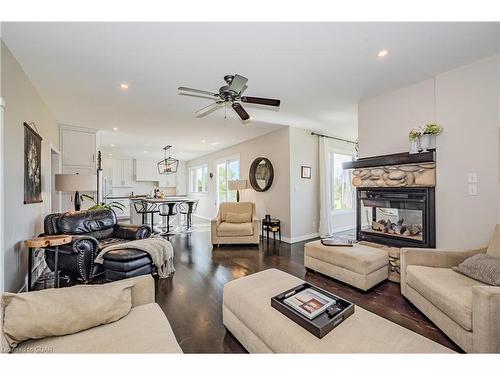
32	165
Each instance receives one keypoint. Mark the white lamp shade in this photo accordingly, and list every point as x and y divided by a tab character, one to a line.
76	182
237	185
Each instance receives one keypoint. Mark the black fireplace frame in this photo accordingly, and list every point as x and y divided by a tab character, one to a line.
428	218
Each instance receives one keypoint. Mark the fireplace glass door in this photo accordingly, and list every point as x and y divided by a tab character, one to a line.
397	217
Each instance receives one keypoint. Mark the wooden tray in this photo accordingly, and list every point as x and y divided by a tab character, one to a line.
55	240
323	323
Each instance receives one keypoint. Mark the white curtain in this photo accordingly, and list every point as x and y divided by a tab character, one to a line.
325	189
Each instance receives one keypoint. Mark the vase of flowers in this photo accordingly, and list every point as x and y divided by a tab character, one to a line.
428	137
414	137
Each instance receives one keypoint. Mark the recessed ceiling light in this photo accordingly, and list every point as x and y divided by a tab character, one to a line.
146	151
383	53
115	128
112	145
110	154
214	143
203	141
124	86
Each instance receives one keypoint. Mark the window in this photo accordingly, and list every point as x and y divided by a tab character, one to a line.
227	170
342	190
198	179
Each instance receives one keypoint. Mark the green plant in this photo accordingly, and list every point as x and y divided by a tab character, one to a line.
414	134
432	128
104	206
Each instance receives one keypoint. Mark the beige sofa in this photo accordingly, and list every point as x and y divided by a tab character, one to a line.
225	232
145	329
467	310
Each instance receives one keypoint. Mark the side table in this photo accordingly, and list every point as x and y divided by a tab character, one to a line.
272	225
47	241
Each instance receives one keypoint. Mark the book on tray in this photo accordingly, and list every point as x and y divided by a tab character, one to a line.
309	302
336	241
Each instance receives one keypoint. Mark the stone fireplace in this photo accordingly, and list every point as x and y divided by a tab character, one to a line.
396	199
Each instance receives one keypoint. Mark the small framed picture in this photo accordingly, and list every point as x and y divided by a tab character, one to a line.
305	172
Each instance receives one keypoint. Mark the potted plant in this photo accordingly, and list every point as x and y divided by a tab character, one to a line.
428	137
103	206
414	137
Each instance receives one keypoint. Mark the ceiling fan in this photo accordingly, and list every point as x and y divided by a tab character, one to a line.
229	94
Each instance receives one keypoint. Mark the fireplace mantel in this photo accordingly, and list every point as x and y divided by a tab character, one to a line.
391	159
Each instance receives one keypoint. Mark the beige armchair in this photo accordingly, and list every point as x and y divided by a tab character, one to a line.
466	310
235	223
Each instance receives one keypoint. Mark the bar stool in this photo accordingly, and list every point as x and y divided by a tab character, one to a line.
143	208
188	208
167	210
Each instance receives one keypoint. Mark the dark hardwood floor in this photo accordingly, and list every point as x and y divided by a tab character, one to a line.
192	298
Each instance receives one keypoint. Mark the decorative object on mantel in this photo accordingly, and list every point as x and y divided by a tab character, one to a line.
261	174
32	165
169	164
423	138
305	172
428	137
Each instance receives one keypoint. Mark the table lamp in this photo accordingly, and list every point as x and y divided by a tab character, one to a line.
237	185
76	182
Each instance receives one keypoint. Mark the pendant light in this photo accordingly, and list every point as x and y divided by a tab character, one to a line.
169	164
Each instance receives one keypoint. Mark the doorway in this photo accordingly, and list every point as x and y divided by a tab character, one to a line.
55	168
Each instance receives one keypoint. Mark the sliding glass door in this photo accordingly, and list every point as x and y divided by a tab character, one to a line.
227	170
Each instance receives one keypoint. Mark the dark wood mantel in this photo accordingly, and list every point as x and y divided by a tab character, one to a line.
391	159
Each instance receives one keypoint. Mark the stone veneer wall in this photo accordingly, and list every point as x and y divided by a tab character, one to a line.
405	175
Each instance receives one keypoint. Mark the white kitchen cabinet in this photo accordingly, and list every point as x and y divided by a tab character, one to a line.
146	170
123	173
78	146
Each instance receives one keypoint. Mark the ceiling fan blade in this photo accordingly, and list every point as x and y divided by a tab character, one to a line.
263	101
240	111
198	91
238	83
197	96
208	109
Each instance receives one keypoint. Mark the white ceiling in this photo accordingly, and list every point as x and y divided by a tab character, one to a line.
319	71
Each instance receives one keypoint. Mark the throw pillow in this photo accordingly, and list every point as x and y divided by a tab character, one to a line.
56	312
481	267
233	217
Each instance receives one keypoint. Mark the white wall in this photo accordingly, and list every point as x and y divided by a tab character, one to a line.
276	201
23	104
465	101
304	193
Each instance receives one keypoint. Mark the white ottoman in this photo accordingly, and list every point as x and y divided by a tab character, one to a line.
248	315
360	266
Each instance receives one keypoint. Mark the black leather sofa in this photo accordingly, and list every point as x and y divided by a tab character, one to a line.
92	231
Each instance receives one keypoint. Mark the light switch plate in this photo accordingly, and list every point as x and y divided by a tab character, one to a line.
472	177
472	189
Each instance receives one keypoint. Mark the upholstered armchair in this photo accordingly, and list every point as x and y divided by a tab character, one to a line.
91	231
466	310
235	223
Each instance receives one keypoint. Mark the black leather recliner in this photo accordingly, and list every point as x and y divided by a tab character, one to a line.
92	231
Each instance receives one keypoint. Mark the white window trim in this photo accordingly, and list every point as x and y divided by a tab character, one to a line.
189	179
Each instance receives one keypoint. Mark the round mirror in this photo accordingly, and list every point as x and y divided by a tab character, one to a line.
261	174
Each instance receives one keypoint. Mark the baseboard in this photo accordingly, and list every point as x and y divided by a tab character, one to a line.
300	238
203	217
